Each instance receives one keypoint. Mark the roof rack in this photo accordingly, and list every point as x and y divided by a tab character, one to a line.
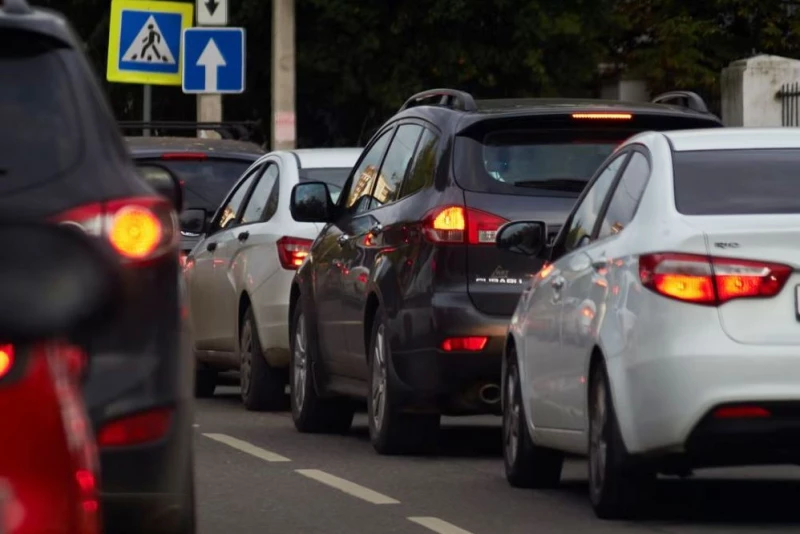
686	99
238	130
448	98
16	7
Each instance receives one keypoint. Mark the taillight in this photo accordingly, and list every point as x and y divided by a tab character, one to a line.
457	224
6	359
292	251
184	156
137	429
741	412
138	229
711	280
464	344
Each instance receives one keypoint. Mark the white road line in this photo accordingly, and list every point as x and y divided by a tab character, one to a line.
244	446
348	487
438	525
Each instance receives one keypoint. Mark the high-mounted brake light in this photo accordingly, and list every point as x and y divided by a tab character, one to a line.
464	344
135	430
457	224
711	280
603	116
6	359
292	251
184	156
138	229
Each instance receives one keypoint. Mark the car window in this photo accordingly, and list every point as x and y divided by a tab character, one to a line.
423	166
585	216
363	179
206	182
626	196
227	217
335	177
256	208
395	165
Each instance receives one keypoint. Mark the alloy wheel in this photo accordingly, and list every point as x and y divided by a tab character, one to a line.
246	368
379	378
299	363
511	418
598	444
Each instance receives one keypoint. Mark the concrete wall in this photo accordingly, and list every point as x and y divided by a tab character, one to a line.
749	88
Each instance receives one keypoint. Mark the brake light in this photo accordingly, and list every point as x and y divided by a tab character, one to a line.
6	359
135	430
711	280
464	344
184	156
138	229
602	116
292	251
457	224
741	412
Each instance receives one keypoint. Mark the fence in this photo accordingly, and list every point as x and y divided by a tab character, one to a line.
790	104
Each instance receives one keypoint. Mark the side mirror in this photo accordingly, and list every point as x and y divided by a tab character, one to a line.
194	221
59	282
311	202
164	182
522	237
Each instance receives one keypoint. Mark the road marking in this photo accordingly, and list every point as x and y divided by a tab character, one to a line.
348	487
243	446
438	525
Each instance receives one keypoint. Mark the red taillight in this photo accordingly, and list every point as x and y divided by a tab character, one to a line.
741	412
135	430
184	156
6	359
137	228
464	344
292	251
711	280
457	224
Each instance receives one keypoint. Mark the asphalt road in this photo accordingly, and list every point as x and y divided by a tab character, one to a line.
256	474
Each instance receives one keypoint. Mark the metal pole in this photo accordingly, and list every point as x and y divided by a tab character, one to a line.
147	107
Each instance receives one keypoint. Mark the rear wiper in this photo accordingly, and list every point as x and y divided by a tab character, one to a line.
556	184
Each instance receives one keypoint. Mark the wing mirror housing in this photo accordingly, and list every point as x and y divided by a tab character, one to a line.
528	238
194	221
311	202
164	181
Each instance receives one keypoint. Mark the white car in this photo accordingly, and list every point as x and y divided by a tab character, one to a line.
239	274
676	279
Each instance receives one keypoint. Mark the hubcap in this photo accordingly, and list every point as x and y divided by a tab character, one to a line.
299	363
246	367
511	418
379	379
598	446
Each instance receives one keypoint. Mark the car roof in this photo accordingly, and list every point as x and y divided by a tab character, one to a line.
318	158
16	14
569	105
733	138
222	148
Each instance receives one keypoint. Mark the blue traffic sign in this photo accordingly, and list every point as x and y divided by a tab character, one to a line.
145	41
213	60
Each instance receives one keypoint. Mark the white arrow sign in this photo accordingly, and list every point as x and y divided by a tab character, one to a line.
211	59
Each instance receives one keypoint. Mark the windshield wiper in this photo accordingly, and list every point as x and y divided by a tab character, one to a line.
573	185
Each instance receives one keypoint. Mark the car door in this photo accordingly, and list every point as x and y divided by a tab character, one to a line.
590	274
550	310
329	269
205	266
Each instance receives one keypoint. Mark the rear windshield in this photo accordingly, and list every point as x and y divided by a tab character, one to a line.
206	182
39	137
514	158
737	182
334	177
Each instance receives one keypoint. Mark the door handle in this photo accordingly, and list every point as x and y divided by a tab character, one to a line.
211	247
600	264
243	236
557	283
343	239
376	229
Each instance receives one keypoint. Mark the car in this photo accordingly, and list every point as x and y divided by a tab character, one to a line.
680	253
207	168
65	161
239	274
404	299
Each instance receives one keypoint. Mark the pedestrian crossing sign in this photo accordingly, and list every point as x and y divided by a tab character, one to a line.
144	41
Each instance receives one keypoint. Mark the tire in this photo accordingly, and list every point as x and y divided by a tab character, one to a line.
205	383
617	487
263	388
527	465
390	430
312	413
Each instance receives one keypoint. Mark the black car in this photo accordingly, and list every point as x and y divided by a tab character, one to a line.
63	159
207	168
405	299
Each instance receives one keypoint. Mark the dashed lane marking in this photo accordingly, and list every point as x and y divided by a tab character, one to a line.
348	487
438	525
249	448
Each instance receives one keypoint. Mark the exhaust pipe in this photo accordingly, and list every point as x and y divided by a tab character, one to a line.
490	394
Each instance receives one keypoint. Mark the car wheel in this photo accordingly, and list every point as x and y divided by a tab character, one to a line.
390	430
205	383
527	465
616	486
263	387
312	413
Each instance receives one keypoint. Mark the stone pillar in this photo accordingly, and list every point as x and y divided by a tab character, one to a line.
749	90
